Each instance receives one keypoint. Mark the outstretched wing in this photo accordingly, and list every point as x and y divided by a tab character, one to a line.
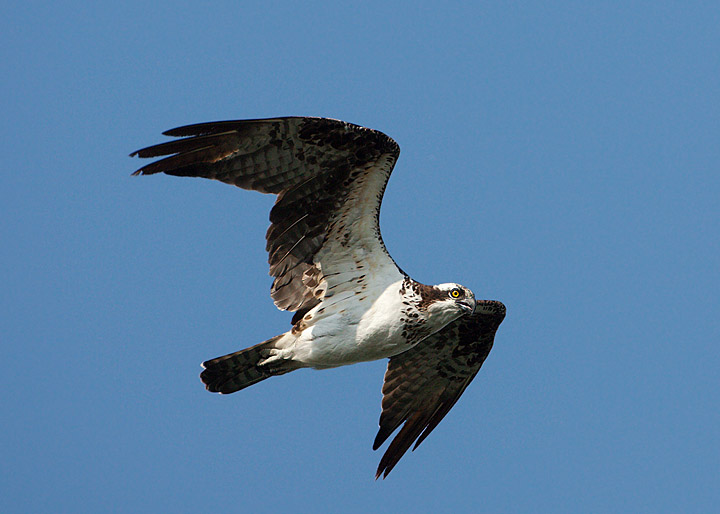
329	176
422	384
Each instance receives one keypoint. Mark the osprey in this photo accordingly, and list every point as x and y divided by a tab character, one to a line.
352	303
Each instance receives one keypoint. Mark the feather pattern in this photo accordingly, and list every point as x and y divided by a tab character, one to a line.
422	384
329	177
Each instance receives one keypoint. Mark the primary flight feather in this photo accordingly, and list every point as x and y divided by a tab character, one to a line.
352	303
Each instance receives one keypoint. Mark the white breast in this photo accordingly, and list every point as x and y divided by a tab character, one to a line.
349	329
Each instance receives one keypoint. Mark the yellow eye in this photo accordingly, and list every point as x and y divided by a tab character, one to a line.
456	293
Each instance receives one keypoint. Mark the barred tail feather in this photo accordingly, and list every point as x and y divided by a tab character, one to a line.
236	371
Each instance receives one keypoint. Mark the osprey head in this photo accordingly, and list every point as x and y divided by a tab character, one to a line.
454	298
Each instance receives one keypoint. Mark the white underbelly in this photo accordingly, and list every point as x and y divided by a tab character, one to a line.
356	333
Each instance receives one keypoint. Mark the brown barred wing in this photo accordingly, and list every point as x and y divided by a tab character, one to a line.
422	384
327	175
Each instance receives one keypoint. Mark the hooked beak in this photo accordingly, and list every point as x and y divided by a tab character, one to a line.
468	305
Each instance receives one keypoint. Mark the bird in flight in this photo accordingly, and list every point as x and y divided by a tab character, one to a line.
352	303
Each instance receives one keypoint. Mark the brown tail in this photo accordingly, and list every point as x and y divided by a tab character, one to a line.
239	370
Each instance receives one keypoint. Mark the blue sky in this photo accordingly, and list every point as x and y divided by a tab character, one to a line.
559	156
